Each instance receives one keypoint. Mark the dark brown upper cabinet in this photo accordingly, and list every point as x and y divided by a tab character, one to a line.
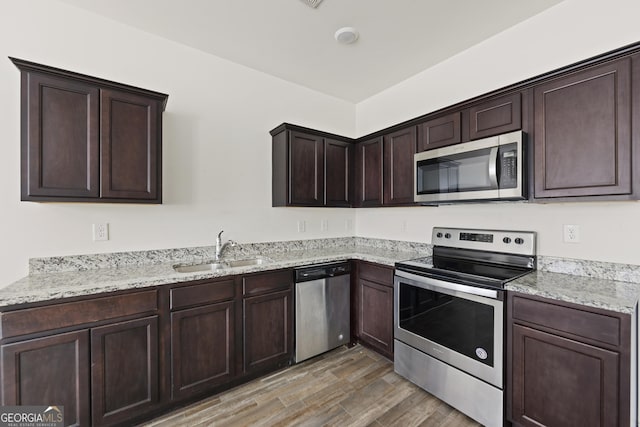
495	116
384	169
306	157
398	165
130	146
440	132
578	120
310	168
369	173
86	139
583	133
338	169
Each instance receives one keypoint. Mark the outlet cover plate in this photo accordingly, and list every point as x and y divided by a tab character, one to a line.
100	232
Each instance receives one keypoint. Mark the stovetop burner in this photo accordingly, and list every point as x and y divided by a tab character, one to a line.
484	258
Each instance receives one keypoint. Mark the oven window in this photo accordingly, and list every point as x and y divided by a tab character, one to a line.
461	325
467	171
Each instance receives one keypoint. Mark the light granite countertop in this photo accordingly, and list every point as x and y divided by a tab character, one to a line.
610	286
50	286
618	296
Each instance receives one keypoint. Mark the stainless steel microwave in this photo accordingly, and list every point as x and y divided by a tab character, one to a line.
485	169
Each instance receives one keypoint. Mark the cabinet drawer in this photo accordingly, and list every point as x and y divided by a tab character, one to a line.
31	320
267	282
205	293
376	273
582	323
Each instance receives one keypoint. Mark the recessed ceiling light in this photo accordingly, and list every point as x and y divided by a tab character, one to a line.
312	3
346	35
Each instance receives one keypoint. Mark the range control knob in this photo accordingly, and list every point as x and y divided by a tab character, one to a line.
507	240
439	235
447	236
519	241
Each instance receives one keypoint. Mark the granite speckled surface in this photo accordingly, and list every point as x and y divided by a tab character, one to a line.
65	277
203	253
609	286
587	268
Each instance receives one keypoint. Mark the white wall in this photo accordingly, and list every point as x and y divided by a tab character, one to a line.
571	31
217	149
217	161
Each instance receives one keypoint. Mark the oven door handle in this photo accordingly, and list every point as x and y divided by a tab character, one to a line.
436	285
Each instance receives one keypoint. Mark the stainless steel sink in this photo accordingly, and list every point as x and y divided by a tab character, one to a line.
246	262
213	266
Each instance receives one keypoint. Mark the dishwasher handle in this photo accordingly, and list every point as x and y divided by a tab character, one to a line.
322	271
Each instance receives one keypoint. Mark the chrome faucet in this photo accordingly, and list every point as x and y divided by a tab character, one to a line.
220	247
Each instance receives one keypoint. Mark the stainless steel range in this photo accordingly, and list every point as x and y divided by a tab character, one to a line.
449	316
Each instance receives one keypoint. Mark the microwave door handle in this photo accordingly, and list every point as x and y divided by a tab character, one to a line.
493	167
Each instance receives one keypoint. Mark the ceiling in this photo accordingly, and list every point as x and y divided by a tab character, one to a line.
290	40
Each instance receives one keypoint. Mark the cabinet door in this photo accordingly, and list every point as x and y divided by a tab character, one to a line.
369	173
49	371
561	382
131	152
496	116
202	348
306	169
583	133
375	316
399	148
268	326
337	173
60	138
440	132
124	370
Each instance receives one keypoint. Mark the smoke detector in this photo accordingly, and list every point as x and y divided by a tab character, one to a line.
346	35
312	3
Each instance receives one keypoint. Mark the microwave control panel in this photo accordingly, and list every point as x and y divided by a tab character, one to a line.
508	161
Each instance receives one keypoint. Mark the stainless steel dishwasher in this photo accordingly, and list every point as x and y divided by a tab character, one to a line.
322	308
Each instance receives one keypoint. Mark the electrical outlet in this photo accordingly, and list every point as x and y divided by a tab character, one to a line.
302	226
571	233
100	232
324	225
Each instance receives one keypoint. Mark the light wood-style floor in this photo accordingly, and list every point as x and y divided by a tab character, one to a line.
345	387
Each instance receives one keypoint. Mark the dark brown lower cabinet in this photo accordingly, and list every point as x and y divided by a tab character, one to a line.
374	307
135	355
124	370
53	370
562	382
567	365
268	330
202	348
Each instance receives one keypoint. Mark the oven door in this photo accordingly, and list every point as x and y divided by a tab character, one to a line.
458	324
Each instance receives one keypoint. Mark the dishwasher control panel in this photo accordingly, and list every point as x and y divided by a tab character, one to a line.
322	271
